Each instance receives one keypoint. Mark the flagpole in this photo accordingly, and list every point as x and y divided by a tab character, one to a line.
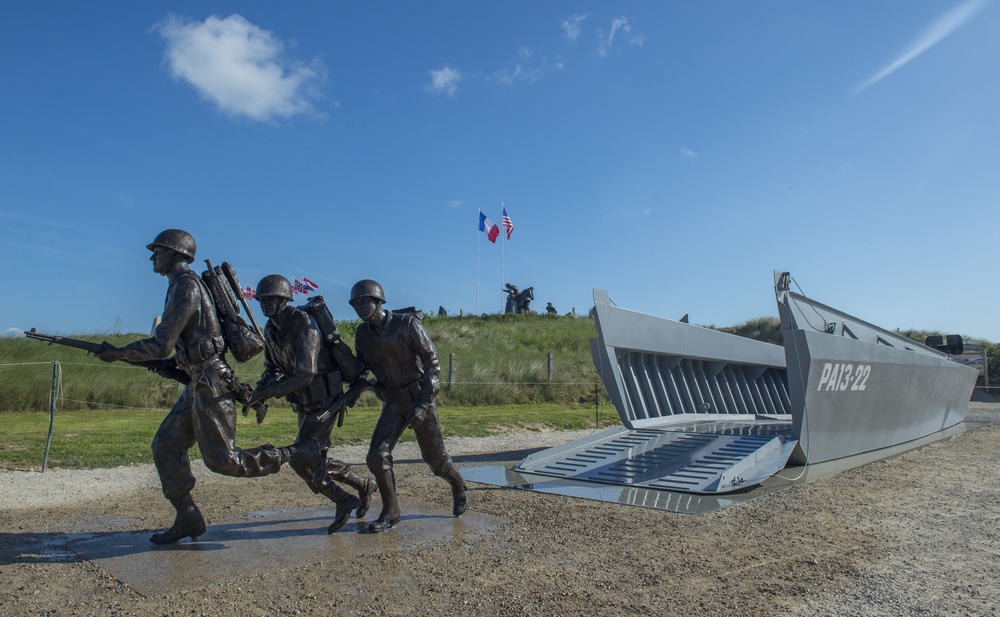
503	255
479	241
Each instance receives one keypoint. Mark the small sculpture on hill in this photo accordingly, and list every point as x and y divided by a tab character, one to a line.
518	302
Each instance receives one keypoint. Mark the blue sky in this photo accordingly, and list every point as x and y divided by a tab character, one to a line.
673	153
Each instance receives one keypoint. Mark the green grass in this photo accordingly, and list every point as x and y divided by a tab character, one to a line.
108	413
110	438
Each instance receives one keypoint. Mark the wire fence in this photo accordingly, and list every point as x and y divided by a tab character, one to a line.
104	385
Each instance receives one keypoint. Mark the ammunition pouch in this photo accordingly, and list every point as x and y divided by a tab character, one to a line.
316	396
199	351
404	395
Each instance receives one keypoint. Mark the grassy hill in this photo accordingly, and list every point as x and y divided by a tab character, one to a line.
498	360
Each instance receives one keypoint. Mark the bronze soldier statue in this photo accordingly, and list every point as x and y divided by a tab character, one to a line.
300	368
398	351
512	302
205	413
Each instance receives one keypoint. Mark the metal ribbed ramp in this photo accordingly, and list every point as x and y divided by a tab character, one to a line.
693	457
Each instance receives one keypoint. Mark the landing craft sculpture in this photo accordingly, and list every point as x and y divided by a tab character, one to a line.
708	412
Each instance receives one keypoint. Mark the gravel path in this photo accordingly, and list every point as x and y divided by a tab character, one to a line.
917	534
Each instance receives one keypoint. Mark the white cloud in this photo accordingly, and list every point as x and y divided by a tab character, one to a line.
688	153
12	332
445	79
605	43
521	73
572	26
240	67
934	34
531	64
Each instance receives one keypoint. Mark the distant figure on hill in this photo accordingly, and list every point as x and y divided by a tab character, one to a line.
518	301
205	413
512	291
551	310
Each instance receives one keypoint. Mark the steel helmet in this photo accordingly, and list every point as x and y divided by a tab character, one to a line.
367	288
274	285
176	240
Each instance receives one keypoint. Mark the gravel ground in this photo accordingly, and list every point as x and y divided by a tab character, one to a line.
913	535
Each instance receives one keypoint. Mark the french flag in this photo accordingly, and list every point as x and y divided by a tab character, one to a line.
488	226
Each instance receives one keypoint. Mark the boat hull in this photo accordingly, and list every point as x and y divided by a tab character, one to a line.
850	397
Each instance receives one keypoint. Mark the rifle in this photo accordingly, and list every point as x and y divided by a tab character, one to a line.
164	368
230	273
347	399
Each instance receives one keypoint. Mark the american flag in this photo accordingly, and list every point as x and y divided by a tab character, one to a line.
507	222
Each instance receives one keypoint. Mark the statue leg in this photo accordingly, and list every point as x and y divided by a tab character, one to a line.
188	522
366	487
214	420
173	439
436	456
379	460
346	503
170	445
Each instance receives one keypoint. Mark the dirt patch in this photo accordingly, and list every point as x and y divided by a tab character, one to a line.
913	535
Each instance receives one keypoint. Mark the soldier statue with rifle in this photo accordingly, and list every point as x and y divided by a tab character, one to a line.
205	413
397	349
307	363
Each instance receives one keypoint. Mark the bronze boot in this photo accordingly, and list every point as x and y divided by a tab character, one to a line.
346	503
459	494
389	516
188	523
366	487
460	498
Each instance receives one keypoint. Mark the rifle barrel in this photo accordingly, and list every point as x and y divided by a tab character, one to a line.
62	340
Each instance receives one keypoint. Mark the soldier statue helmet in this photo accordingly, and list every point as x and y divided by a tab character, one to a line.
176	240
274	292
367	288
275	285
